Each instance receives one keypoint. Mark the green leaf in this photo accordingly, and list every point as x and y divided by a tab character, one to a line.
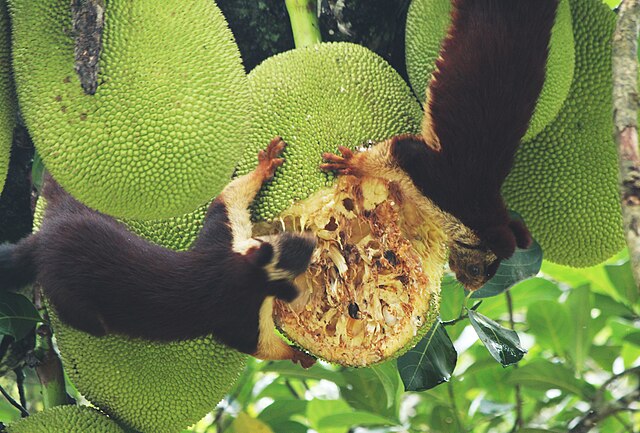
605	355
372	389
318	409
430	363
579	307
281	410
537	430
503	344
523	294
544	375
550	323
452	298
288	427
244	423
18	315
621	277
316	372
37	171
353	419
522	265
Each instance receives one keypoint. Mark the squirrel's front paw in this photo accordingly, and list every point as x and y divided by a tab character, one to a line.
341	164
269	160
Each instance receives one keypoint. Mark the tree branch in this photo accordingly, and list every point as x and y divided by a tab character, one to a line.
519	421
23	412
625	116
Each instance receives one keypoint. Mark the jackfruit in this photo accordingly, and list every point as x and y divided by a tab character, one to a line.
151	387
168	116
7	96
565	180
373	286
427	25
66	419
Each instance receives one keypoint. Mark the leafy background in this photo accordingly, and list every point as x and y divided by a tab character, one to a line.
540	346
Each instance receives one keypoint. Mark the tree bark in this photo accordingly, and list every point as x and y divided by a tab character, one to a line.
625	114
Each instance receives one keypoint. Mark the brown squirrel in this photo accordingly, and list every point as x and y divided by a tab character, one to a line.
103	279
481	98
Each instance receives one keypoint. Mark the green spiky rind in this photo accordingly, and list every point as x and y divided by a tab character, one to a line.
317	98
151	387
66	419
7	95
427	25
564	183
167	123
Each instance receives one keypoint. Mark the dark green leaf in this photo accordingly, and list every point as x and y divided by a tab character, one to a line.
605	355
522	265
621	277
545	375
503	344
610	307
550	323
18	315
579	306
430	363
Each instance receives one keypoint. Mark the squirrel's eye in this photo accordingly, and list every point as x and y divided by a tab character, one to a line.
474	270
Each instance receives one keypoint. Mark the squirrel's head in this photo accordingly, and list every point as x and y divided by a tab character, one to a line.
475	256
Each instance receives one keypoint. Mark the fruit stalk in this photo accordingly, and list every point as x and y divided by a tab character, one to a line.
304	22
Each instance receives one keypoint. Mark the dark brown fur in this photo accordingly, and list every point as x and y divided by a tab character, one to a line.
489	76
482	96
103	279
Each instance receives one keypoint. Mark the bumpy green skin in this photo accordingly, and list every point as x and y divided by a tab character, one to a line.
564	183
317	98
427	25
166	125
7	96
151	387
66	419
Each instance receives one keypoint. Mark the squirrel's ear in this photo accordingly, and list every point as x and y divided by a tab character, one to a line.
521	233
260	255
501	241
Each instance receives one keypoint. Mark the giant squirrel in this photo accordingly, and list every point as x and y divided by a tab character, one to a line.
480	100
102	279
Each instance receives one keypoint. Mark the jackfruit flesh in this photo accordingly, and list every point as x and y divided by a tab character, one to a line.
374	282
66	419
7	96
565	180
427	25
151	387
169	114
372	289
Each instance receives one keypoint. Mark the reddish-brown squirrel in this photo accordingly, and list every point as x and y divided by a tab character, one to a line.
103	279
488	78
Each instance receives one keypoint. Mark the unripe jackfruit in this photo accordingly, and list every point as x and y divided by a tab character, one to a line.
66	419
7	96
565	180
373	287
427	25
168	115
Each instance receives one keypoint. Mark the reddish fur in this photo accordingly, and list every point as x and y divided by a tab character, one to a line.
483	94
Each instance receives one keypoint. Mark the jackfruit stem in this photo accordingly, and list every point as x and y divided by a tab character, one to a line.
304	22
49	369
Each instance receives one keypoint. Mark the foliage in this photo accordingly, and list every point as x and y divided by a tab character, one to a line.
578	326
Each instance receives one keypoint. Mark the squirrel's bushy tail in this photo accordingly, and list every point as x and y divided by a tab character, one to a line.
17	265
